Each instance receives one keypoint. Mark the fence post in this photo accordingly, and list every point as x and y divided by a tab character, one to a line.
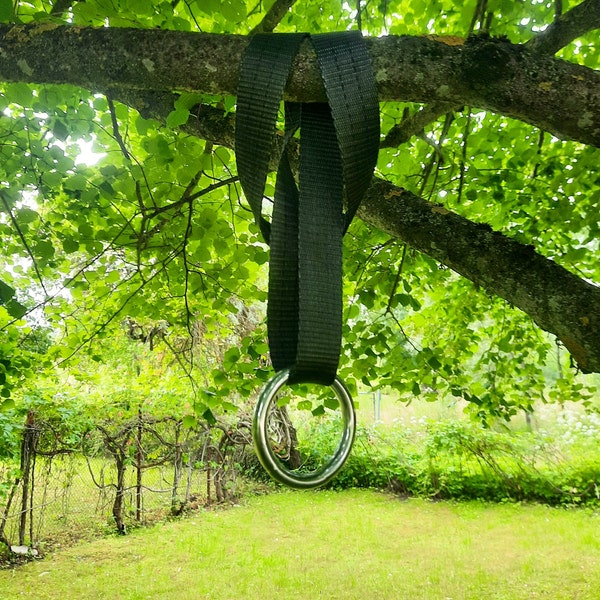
139	459
28	446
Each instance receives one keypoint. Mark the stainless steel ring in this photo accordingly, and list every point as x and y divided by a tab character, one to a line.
267	457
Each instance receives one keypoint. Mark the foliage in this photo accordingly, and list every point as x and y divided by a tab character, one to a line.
148	224
452	459
23	354
127	434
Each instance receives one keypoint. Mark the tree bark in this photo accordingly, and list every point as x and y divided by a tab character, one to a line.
493	74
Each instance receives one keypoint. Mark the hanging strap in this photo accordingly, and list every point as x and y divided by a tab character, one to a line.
264	73
338	151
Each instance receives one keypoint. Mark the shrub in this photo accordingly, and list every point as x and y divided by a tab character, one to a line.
463	461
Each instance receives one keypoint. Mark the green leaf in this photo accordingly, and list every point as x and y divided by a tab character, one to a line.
434	363
6	292
20	93
190	422
353	311
332	403
60	131
6	11
209	417
44	249
222	154
178	117
318	411
305	405
15	309
187	100
26	215
140	7
77	182
233	10
70	245
231	357
8	404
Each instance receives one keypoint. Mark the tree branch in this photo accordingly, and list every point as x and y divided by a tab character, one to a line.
415	123
273	16
581	19
491	74
557	300
61	6
115	126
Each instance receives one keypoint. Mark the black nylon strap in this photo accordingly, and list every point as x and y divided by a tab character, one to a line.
320	233
352	92
264	72
338	151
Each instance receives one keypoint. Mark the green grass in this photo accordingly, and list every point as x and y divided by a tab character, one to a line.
354	544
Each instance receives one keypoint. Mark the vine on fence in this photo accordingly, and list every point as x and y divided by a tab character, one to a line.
129	471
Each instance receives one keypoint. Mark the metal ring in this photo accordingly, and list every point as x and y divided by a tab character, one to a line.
265	453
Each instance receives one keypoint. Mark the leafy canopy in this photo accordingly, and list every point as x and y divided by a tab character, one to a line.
107	215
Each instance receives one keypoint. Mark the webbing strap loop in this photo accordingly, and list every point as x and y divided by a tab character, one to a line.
338	152
352	92
264	73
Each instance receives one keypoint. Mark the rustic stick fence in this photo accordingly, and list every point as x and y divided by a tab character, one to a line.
114	475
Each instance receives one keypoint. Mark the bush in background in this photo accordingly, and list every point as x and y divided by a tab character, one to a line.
454	459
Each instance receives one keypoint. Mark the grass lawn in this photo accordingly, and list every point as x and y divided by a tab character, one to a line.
353	544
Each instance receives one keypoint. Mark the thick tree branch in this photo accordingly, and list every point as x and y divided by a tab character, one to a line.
206	122
571	25
491	74
273	16
554	95
557	300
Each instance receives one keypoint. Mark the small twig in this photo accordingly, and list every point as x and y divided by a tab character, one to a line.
187	199
186	267
478	15
119	309
539	154
416	123
396	280
60	7
23	241
115	125
404	335
558	7
463	158
437	157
